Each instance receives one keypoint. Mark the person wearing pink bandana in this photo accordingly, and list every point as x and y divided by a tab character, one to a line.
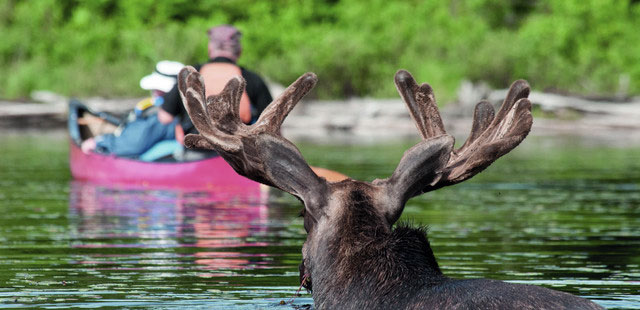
224	50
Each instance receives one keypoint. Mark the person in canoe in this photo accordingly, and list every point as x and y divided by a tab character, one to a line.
141	129
224	50
149	136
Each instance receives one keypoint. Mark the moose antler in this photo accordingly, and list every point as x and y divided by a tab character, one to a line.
256	151
352	255
492	135
260	153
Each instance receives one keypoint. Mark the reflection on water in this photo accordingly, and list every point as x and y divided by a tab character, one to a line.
164	249
142	218
564	215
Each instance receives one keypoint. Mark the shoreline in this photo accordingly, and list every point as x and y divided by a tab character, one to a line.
364	120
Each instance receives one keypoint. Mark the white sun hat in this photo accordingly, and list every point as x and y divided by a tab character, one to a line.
164	76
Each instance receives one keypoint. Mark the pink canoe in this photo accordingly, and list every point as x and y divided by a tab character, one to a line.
206	174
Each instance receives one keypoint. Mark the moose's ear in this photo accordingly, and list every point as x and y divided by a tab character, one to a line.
421	165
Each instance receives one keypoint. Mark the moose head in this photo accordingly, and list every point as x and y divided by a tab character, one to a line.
354	257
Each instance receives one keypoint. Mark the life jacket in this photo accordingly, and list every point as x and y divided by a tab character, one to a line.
148	106
216	75
144	108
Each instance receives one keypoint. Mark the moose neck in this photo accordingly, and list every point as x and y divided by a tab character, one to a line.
363	255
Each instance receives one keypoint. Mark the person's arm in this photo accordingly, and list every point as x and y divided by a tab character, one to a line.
170	109
245	111
164	117
171	106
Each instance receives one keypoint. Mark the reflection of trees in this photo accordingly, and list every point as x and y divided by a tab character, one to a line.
209	222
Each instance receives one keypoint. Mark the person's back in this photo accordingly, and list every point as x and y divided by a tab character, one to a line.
216	75
224	50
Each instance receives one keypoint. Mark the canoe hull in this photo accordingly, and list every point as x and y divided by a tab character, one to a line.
211	174
207	174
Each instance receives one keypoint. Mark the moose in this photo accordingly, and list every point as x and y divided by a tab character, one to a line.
354	257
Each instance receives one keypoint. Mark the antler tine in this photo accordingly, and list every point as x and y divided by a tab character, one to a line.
273	116
491	137
191	88
483	116
225	106
518	90
214	134
433	163
258	152
421	103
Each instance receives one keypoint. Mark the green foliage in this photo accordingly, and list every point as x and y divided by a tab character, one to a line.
103	47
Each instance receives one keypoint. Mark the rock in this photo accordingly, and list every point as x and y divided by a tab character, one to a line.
46	96
469	95
365	120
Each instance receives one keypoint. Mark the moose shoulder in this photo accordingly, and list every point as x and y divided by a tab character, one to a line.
354	257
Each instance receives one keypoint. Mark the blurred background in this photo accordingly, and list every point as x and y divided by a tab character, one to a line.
103	47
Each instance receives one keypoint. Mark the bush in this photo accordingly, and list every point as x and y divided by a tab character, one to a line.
103	47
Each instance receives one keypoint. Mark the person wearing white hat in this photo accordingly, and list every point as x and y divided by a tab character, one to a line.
142	130
140	135
159	82
163	77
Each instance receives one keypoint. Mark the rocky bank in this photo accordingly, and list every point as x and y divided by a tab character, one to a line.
370	120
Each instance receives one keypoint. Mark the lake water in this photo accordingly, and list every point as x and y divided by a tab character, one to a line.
561	212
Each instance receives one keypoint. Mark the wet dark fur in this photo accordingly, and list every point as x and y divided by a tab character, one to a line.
353	258
368	265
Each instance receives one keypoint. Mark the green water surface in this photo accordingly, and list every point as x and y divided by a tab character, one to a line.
558	212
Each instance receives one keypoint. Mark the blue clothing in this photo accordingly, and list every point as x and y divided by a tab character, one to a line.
161	149
136	137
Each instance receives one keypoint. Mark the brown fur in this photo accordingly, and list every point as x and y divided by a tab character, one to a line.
353	258
356	260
